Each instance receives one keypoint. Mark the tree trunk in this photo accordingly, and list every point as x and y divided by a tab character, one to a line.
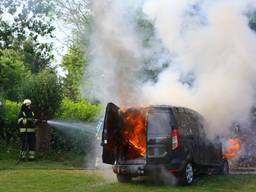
43	136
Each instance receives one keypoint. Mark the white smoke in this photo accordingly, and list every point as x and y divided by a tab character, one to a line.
115	50
210	41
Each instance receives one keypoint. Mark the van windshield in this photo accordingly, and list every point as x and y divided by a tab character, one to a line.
160	123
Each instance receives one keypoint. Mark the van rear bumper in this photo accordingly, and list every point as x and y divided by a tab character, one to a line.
132	170
144	169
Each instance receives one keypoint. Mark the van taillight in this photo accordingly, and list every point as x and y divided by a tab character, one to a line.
175	138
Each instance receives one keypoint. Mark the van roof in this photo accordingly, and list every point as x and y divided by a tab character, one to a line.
176	109
168	107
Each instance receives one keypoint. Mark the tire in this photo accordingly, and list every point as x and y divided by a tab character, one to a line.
123	178
187	175
224	169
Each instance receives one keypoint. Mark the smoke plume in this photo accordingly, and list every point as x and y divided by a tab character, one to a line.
116	52
213	42
212	48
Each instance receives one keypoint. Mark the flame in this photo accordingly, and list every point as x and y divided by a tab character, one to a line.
232	149
134	130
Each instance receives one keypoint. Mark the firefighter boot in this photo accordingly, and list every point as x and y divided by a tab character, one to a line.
22	155
31	155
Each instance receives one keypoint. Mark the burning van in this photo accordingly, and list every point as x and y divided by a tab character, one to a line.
146	141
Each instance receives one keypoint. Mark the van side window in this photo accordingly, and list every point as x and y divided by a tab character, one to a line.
184	123
199	126
194	124
181	110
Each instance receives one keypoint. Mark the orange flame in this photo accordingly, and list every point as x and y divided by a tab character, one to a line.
233	148
134	130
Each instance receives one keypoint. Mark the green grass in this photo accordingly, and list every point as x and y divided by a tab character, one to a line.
46	176
43	164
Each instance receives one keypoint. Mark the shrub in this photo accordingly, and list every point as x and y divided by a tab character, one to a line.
73	140
9	129
82	110
44	90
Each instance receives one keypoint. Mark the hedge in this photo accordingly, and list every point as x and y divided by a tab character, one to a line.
76	141
8	118
82	110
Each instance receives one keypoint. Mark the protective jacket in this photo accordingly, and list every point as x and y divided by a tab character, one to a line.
26	121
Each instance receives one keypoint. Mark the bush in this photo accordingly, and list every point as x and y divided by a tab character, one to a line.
83	110
12	73
69	140
44	90
9	129
80	142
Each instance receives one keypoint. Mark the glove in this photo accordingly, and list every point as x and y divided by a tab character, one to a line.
24	121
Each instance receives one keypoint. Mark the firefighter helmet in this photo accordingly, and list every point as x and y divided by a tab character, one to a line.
27	102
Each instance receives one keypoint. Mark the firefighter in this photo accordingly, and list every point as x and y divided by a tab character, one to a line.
27	129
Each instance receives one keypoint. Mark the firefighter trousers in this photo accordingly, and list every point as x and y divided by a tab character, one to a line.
28	145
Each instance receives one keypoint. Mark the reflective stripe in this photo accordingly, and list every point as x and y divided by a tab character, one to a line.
24	114
28	130
31	154
23	154
33	114
24	121
20	119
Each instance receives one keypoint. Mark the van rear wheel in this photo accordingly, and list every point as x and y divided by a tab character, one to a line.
187	175
123	178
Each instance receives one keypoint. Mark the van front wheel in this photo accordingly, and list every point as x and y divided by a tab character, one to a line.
123	178
187	175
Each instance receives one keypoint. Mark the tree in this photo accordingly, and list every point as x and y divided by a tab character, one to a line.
44	89
23	25
12	73
74	63
78	15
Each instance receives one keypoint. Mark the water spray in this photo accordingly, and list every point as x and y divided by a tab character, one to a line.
75	125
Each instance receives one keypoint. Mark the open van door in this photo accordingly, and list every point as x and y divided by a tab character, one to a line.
110	133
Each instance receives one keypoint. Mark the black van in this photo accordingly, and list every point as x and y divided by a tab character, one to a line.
145	141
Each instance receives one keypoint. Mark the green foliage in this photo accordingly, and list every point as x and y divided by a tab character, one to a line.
78	14
28	22
73	140
9	129
82	110
44	90
12	73
74	63
10	111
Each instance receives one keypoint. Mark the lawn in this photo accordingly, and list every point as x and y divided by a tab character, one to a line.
49	176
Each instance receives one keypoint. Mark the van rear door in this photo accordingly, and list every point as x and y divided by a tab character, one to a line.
159	127
110	133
